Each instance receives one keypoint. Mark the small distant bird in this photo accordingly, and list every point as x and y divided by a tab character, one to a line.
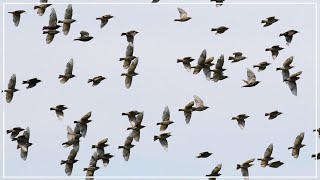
129	56
16	16
83	123
163	139
199	104
215	172
291	81
14	132
269	21
317	157
275	164
218	2
104	19
155	1
286	67
130	73
201	63
11	88
92	166
130	35
106	159
67	73
186	62
59	110
244	168
318	131
69	162
204	154
127	147
274	51
220	30
137	127
289	35
241	119
31	82
41	9
52	21
251	79
218	74
237	57
132	116
23	143
297	145
73	138
165	119
267	156
273	114
100	146
188	111
262	66
84	37
96	80
67	20
183	16
50	35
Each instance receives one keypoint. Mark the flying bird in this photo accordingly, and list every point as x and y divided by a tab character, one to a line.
104	19
204	154
41	8
163	139
16	16
297	145
286	67
188	111
127	147
106	159
100	146
273	114
92	166
50	35
23	143
130	73
73	138
67	20
199	104
218	74
218	2
11	88
14	132
165	119
69	162
52	21
183	16
215	172
289	35
186	62
316	157
269	21
96	80
291	81
67	73
83	123
131	116
59	110
241	119
129	56
137	127
31	82
275	164
244	168
130	35
220	30
318	131
237	57
84	37
262	66
251	79
274	51
267	156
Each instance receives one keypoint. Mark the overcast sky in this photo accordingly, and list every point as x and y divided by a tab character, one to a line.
162	82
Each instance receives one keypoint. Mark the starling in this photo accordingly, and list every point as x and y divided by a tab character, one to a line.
84	37
244	167
204	154
297	145
291	81
14	132
67	73
289	35
163	139
132	116
59	111
127	147
11	88
200	62
130	35
69	162
218	74
165	119
129	56
130	73
106	159
31	82
273	114
199	104
73	138
137	126
262	66
16	16
275	164
251	80
23	143
237	57
286	67
100	147
188	111
215	172
92	166
318	131
104	20
96	80
41	9
50	35
220	29
52	21
83	123
267	156
183	16
186	62
241	119
155	1
274	51
269	21
67	20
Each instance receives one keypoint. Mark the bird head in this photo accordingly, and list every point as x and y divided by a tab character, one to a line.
75	160
295	32
171	122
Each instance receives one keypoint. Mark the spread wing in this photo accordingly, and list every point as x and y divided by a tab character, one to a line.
166	114
68	13
183	13
293	87
299	139
133	65
84	33
216	169
199	102
251	76
12	82
72	154
164	143
69	67
16	19
268	151
53	18
86	116
220	62
202	57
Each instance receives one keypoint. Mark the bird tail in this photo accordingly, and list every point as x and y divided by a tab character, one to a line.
51	109
76	39
158	124
177	20
90	80
123	114
179	60
263	21
123	34
233	118
98	18
75	122
278	69
282	34
24	82
266	114
238	166
61	76
289	147
62	162
231	58
129	128
155	138
35	7
120	147
213	29
268	49
93	146
9	131
313	155
122	59
180	110
255	66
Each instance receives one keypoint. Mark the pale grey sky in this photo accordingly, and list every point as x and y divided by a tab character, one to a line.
162	82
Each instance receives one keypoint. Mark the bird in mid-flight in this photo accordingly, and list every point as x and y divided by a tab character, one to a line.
16	16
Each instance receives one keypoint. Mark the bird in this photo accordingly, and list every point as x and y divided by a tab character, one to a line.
73	138
273	114
318	131
69	162
244	168
262	66
105	159
204	154
163	139
23	143
269	21
218	74
237	57
96	80
130	35
215	172
165	119
274	51
126	148
183	16
188	111
11	88
92	166
129	56
241	119
130	73
41	8
200	63
291	81
59	110
100	146
50	35
267	156
67	21
286	67
131	116
67	73
251	79
275	164
31	82
316	157
83	123
218	2
84	36
155	1
289	35
16	15
297	145
52	21
220	30
199	104
14	132
104	20
137	127
186	62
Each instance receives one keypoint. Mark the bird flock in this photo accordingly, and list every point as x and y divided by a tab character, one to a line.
130	63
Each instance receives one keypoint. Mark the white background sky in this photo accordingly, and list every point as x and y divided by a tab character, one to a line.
162	82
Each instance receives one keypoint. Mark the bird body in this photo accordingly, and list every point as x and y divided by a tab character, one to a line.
220	30
269	21
31	82
262	66
16	16
183	16
104	20
96	80
274	51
